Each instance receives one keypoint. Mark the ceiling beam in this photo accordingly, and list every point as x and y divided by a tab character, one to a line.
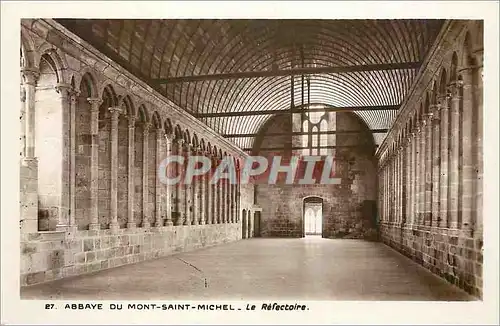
298	133
289	72
300	147
323	109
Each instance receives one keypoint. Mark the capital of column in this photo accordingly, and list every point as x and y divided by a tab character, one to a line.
436	109
95	103
115	112
168	138
64	89
442	100
147	126
30	75
428	116
131	121
454	88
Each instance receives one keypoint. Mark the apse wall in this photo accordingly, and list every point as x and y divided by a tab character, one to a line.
348	208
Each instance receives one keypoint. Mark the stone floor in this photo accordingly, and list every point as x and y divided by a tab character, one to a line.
310	268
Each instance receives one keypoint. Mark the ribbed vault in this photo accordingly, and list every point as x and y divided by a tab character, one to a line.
161	49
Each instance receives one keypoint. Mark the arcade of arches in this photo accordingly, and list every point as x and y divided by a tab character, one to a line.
104	101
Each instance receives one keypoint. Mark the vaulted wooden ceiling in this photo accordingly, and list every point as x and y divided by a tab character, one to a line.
242	67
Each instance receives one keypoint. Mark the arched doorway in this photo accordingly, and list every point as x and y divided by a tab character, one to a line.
313	216
244	225
256	224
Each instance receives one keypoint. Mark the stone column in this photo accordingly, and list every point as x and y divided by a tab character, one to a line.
468	179
179	188
417	168
145	184
428	169
414	190
29	163
65	90
95	103
216	190
421	162
131	224
73	96
454	154
209	193
202	189
403	181
408	177
30	80
115	113
478	109
396	183
226	201
188	191
444	159
393	186
159	190
195	201
436	118
22	120
168	189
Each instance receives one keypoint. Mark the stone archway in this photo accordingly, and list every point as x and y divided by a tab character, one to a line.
244	225
312	216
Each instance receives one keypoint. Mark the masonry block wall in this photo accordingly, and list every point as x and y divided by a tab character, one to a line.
93	137
430	165
344	204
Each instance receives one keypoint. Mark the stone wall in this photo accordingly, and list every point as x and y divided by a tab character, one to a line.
430	165
449	253
346	206
93	136
47	256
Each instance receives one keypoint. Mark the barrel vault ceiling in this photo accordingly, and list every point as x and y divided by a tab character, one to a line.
160	51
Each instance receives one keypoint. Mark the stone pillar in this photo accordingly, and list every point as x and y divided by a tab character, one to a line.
401	182
131	224
202	193
468	179
397	174
402	165
73	96
394	185
29	163
195	201
65	90
188	191
428	169
30	80
159	190
436	118
421	162
454	154
22	120
168	189
179	188
418	166
413	178
209	192
226	201
115	113
478	109
217	201
145	184
95	103
408	171
444	159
